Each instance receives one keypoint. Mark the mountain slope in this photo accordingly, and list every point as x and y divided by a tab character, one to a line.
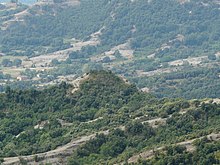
132	122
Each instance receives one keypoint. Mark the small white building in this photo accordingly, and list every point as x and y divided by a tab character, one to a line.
22	78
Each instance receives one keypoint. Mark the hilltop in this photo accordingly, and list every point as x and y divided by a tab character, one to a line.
105	120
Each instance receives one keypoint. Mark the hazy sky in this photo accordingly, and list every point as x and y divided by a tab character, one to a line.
23	1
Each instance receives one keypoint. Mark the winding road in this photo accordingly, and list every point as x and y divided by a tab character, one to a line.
188	144
54	156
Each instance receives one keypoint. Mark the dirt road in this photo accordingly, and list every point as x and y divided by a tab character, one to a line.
188	144
54	156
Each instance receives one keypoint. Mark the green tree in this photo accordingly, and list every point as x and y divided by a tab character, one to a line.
55	62
17	62
6	63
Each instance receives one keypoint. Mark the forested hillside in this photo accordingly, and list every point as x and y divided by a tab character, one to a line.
169	47
158	103
134	122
